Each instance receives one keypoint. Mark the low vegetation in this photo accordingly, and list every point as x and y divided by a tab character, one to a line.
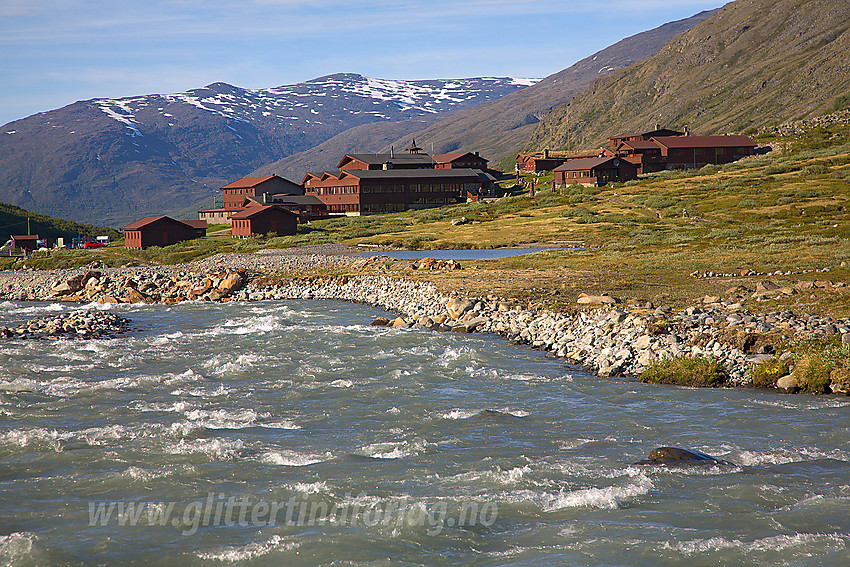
685	371
765	374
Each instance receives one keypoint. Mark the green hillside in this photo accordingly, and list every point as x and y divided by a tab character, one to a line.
13	220
755	64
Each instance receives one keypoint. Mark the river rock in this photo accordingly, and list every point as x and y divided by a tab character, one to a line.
603	299
380	322
457	307
788	384
677	457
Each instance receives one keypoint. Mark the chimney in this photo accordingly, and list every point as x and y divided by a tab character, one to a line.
476	154
686	130
392	153
657	126
388	165
546	153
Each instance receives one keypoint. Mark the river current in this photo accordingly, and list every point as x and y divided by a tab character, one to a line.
290	433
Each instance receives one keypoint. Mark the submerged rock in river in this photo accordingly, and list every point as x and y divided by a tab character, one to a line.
676	457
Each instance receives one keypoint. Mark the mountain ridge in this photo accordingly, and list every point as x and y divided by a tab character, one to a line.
754	64
113	160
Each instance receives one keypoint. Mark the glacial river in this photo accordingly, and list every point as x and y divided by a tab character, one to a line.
288	433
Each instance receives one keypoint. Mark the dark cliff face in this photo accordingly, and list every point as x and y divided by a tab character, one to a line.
115	160
755	63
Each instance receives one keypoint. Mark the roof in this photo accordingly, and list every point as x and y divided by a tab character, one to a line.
247	182
410	173
640	144
705	141
199	224
380	159
584	163
141	223
650	133
450	157
25	237
254	211
221	210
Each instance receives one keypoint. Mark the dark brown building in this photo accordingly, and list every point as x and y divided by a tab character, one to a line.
547	160
594	171
307	207
235	193
159	231
459	160
684	152
644	136
263	220
356	192
360	162
645	156
25	241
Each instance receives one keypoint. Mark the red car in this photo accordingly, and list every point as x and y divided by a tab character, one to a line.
94	244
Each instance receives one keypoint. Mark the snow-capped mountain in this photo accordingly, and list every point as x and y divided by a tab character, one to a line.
114	160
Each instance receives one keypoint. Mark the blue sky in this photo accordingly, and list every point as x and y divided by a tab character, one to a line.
55	52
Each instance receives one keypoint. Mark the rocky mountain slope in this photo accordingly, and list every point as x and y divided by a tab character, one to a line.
114	160
755	64
496	128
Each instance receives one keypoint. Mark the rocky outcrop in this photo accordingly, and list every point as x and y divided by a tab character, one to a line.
79	325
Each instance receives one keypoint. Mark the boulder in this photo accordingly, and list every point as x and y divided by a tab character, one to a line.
380	322
136	296
232	281
603	299
788	384
766	285
457	307
64	288
677	457
461	220
399	322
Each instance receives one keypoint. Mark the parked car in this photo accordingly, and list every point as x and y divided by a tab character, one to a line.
94	244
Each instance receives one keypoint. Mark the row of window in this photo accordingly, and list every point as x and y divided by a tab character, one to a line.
397	188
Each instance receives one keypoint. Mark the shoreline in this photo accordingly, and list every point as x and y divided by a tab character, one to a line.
607	338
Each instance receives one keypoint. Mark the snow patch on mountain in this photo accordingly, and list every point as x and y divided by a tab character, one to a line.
285	103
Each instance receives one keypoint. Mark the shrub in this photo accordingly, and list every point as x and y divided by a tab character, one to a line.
816	372
685	371
765	374
816	169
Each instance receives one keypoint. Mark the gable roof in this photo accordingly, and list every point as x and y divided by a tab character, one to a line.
380	159
248	182
587	163
450	157
639	144
705	141
141	223
197	224
254	211
25	237
651	133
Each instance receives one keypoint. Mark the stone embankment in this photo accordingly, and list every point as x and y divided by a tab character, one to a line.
606	337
